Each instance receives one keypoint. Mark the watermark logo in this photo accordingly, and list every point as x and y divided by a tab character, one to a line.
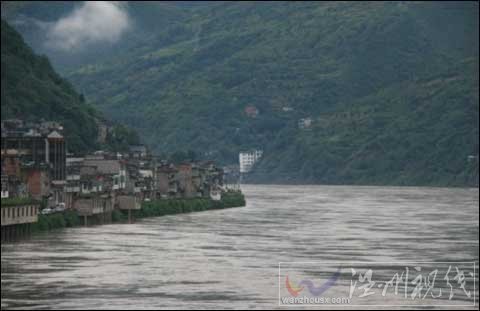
294	291
379	284
314	291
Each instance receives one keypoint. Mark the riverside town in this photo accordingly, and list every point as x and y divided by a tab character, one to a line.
45	187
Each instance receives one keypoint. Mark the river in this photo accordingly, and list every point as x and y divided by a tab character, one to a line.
231	258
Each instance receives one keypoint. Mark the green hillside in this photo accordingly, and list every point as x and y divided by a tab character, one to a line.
391	88
32	90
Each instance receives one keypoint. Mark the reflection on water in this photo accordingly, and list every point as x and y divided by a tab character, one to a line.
229	258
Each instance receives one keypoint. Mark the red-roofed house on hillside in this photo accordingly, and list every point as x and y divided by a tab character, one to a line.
251	111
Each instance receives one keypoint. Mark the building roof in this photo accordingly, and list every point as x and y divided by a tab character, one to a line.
146	173
138	148
166	169
55	135
108	167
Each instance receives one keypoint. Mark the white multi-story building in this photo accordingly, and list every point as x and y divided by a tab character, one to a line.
248	159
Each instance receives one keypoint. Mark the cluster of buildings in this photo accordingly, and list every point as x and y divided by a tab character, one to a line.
33	160
35	163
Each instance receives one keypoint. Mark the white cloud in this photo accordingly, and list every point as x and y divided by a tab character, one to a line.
92	22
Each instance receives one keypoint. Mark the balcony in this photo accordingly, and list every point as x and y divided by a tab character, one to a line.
72	189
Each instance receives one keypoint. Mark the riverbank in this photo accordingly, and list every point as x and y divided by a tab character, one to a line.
156	208
55	221
178	206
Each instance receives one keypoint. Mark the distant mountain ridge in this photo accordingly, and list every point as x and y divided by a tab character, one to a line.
391	88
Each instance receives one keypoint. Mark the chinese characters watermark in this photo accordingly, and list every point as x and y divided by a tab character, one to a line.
385	284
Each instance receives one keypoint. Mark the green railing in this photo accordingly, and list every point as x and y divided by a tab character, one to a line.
18	201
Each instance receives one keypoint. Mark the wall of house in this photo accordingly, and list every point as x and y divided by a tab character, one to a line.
128	202
185	181
162	183
88	207
38	183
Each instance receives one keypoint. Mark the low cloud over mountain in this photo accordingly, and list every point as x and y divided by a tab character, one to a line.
92	22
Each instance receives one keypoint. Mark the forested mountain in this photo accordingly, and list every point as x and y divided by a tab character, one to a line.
32	91
391	88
